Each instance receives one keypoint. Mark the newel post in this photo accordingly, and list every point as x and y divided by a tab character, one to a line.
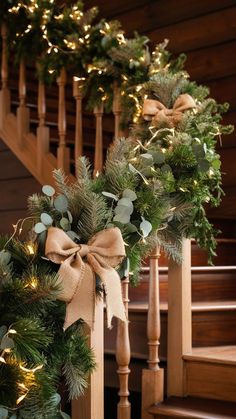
153	377
91	404
179	320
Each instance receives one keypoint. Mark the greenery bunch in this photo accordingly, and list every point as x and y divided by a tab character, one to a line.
35	352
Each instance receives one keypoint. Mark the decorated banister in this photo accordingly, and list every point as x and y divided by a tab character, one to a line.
98	157
123	358
4	93
22	111
63	152
153	376
43	134
179	320
78	95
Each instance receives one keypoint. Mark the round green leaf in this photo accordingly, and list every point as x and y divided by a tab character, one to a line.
131	228
46	219
125	202
48	190
122	218
65	224
73	236
166	168
5	257
61	203
216	164
39	228
3	331
146	158
3	412
145	227
13	416
203	165
128	193
7	343
110	195
70	218
158	157
123	210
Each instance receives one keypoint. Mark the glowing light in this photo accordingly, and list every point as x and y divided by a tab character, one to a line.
33	282
39	367
21	398
2	360
12	331
31	249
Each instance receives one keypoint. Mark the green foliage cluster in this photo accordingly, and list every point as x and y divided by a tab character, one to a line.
35	352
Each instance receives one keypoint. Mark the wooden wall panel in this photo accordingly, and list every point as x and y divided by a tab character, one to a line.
16	184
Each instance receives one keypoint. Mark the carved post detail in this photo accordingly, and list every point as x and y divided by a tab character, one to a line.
179	320
42	130
78	95
153	377
91	404
123	358
63	152
117	110
4	93
98	158
22	110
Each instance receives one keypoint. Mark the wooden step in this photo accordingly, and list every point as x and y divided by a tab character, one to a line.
209	283
191	407
211	372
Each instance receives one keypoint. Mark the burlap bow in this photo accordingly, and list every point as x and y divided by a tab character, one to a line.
103	252
155	111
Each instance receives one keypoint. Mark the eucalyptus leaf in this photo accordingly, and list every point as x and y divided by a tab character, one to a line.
3	331
128	193
158	157
5	257
216	164
65	416
13	416
73	236
166	168
3	412
61	203
70	218
7	343
46	219
122	218
55	399
126	202
131	228
48	190
198	150
145	227
65	224
132	168
203	165
146	159
39	228
110	195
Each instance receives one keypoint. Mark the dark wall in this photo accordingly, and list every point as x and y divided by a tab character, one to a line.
16	184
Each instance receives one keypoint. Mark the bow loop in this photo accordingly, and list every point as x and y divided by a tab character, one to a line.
104	252
155	111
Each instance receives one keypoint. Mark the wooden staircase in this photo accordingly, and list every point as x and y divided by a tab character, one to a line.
199	361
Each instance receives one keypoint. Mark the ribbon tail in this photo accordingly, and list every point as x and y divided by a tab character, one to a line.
82	304
114	302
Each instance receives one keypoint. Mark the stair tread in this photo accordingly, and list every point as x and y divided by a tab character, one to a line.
196	306
216	354
192	407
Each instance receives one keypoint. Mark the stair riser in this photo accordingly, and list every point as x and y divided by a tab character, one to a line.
209	329
211	380
215	286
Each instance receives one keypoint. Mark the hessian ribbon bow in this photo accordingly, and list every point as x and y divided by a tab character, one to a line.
79	264
155	111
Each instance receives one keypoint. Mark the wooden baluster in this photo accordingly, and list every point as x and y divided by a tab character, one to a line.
4	93
123	358
153	377
98	159
22	110
179	320
63	152
42	131
117	110
91	404
78	95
